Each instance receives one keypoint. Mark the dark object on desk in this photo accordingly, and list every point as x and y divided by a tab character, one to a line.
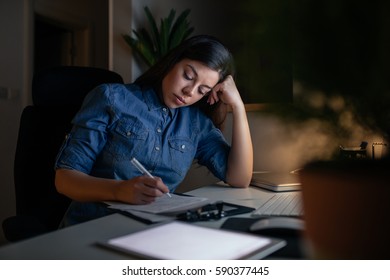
286	228
354	152
276	181
57	94
214	211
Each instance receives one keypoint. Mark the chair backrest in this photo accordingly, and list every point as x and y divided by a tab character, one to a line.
57	95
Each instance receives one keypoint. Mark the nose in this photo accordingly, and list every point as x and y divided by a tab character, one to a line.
189	90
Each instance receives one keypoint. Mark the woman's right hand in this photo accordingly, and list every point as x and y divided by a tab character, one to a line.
83	187
140	190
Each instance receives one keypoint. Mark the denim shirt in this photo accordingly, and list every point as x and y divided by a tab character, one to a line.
117	122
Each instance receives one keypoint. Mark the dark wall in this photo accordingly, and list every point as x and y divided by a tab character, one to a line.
259	36
343	47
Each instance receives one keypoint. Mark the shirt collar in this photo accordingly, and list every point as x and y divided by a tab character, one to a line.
153	101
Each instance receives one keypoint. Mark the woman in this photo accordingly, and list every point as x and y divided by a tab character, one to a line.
167	118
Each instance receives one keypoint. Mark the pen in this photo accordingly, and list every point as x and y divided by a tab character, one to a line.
143	170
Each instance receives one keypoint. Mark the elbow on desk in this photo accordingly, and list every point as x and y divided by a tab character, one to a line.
239	179
239	182
238	185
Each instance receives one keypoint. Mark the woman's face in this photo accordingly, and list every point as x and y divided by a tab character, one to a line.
187	82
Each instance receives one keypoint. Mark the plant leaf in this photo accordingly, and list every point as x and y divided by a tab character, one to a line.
140	49
166	25
152	45
145	38
180	30
155	34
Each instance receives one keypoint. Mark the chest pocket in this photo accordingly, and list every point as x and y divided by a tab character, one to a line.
127	138
181	151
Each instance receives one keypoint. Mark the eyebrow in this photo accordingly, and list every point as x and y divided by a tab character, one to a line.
196	74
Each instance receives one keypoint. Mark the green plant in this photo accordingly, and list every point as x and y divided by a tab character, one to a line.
151	46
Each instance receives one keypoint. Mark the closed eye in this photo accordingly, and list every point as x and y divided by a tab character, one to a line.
204	90
187	76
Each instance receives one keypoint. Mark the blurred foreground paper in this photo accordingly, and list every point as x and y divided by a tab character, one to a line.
183	241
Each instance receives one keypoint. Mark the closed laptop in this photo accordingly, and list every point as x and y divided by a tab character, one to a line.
276	181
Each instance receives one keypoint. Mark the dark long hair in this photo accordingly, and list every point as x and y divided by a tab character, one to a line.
205	49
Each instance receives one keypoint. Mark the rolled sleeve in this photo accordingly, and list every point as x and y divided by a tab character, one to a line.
89	133
213	152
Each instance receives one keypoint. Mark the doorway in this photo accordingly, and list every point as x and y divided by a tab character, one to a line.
59	43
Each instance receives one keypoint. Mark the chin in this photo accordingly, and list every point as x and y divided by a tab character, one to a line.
174	105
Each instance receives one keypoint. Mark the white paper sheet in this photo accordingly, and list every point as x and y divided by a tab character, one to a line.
164	204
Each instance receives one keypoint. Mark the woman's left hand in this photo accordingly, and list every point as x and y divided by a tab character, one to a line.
226	91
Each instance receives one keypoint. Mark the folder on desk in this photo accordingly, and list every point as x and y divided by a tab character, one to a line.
184	241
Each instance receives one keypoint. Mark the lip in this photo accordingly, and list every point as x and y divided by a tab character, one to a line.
179	100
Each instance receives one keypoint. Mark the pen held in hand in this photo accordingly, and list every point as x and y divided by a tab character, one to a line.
143	170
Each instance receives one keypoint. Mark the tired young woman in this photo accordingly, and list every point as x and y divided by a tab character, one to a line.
167	118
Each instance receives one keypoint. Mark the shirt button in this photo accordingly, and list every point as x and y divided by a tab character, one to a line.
164	109
128	133
157	148
159	130
183	146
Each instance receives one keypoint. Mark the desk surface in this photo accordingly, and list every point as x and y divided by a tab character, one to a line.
80	241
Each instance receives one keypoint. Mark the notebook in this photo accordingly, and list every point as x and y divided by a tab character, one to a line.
276	181
185	241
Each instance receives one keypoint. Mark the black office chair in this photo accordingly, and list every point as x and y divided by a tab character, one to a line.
57	95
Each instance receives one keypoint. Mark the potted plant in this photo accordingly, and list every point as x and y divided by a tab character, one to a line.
151	45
